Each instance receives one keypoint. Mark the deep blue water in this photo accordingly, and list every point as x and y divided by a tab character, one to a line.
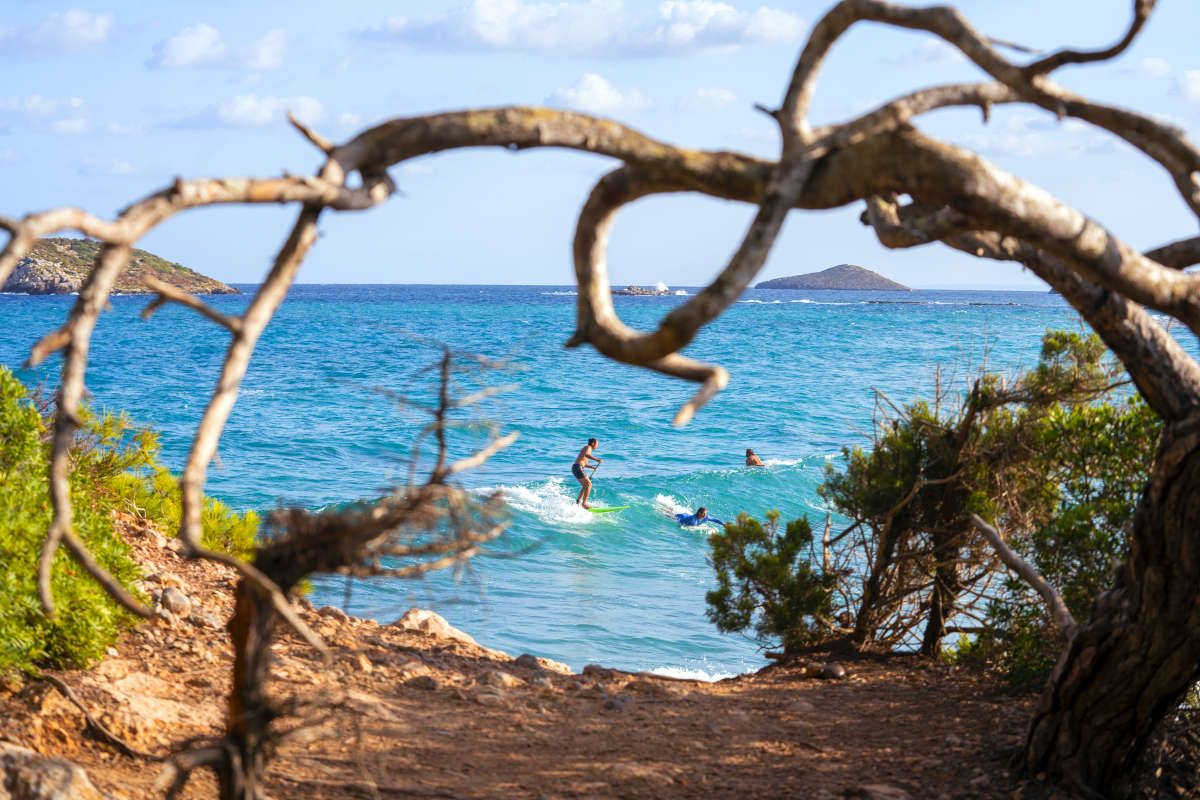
626	589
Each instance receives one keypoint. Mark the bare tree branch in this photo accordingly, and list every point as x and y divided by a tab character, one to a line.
1054	602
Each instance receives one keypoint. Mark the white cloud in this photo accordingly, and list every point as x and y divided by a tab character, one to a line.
1031	135
71	126
349	119
931	53
594	26
1151	67
1189	85
250	110
124	129
197	45
70	30
266	53
594	94
201	45
38	106
708	101
106	166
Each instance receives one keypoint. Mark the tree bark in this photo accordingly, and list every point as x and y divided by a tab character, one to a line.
1139	652
944	595
250	710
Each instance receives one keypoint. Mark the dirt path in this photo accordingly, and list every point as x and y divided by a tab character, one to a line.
433	715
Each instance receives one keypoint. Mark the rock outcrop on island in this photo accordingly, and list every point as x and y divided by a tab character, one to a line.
843	276
642	291
59	266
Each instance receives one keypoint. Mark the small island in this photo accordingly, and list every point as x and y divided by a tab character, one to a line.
59	265
642	291
843	276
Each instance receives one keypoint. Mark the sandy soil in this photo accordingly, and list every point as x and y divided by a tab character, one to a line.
434	715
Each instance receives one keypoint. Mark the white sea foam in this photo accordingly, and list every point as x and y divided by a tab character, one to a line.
692	674
668	505
803	301
548	500
680	293
560	294
783	462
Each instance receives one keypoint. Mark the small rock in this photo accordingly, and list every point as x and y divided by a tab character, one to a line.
490	696
159	540
174	545
427	682
502	680
429	622
365	664
332	612
801	707
528	661
541	681
831	671
876	791
618	703
953	739
26	775
205	619
175	601
111	652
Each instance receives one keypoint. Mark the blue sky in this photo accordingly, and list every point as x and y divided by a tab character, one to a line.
105	102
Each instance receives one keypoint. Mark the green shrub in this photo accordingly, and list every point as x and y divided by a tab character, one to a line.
765	582
114	468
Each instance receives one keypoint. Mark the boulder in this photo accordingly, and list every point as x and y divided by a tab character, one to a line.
535	662
433	624
26	775
175	601
832	671
502	680
334	613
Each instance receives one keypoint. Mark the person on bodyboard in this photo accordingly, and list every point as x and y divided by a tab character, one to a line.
701	517
577	469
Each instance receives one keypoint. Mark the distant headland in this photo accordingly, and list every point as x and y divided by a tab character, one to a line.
843	276
59	266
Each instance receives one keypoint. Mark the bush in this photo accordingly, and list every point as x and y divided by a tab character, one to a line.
114	468
765	582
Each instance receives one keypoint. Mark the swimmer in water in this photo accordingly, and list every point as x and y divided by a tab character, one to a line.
752	460
699	518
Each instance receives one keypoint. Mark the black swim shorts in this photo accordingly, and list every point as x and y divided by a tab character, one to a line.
577	471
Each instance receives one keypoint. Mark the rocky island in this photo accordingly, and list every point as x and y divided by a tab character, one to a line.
642	291
843	276
59	265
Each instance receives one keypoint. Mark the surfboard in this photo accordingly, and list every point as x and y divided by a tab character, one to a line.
606	510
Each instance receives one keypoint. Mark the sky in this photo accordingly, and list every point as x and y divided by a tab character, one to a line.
102	103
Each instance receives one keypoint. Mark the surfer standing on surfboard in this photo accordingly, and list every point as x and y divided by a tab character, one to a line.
577	469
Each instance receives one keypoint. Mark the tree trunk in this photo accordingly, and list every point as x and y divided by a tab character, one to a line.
867	620
1132	662
250	711
943	596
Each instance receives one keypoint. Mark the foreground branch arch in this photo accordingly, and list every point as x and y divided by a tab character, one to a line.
1123	668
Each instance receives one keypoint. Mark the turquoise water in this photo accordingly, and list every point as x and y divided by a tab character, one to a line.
625	589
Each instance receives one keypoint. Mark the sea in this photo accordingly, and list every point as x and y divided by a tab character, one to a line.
331	411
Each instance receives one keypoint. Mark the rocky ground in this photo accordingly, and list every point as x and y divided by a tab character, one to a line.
425	712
